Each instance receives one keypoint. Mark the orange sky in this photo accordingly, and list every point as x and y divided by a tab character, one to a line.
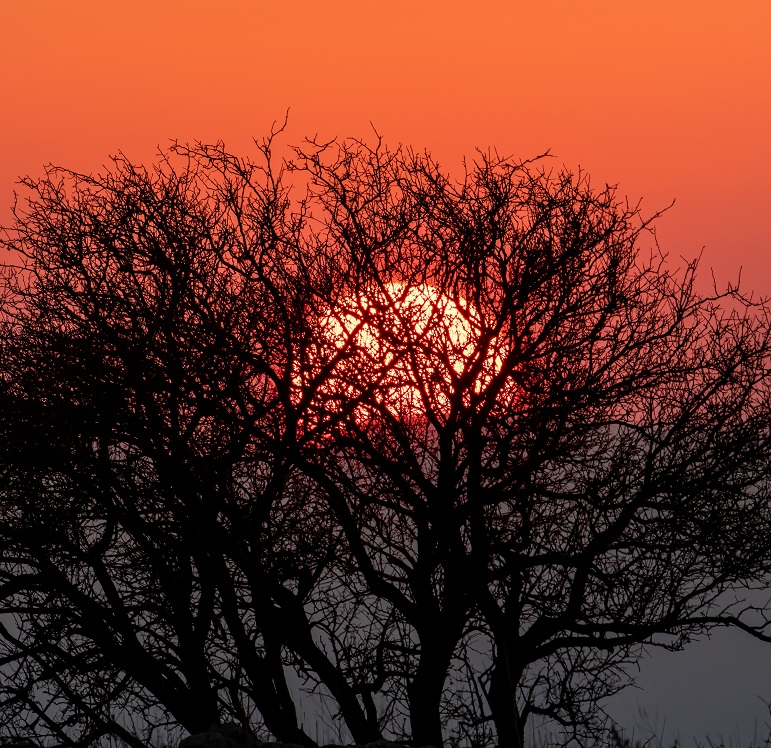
669	99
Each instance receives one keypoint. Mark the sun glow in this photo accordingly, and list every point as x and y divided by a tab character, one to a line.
413	345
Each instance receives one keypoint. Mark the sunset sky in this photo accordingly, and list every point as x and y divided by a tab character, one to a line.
671	100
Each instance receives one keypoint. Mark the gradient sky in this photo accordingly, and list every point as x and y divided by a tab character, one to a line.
671	100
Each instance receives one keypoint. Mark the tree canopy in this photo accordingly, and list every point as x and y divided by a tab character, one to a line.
447	453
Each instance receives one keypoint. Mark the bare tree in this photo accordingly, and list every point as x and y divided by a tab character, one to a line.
150	512
449	454
569	473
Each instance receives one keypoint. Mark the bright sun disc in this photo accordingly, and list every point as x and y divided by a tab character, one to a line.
414	341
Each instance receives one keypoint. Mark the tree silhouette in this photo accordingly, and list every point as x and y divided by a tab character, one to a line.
448	454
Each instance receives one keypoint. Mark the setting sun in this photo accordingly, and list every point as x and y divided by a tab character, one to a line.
417	341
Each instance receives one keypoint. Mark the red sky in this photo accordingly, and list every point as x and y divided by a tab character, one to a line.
668	99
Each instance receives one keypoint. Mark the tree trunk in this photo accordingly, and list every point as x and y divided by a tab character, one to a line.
502	698
425	696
